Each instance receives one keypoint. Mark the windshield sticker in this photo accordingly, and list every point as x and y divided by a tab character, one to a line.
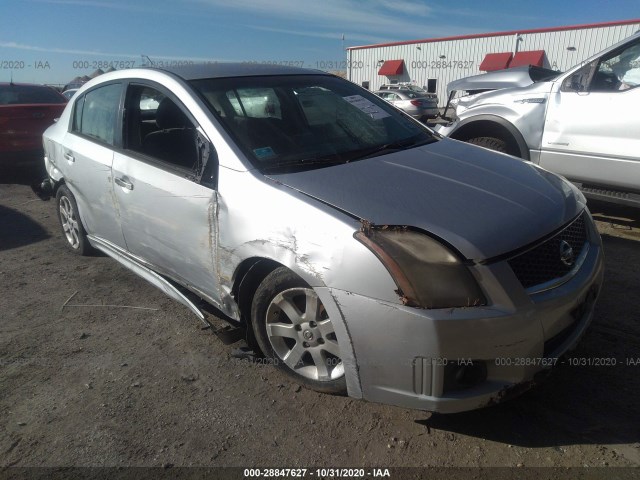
264	153
366	106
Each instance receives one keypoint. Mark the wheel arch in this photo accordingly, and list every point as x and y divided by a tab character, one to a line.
246	279
57	184
493	126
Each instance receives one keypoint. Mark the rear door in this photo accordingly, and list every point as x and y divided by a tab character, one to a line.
592	126
168	218
88	157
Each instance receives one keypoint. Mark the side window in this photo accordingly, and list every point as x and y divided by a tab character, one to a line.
579	80
157	127
618	71
96	113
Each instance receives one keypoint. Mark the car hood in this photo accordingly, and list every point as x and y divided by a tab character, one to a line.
509	78
517	98
483	203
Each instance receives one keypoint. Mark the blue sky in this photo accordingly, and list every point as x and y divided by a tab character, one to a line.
52	41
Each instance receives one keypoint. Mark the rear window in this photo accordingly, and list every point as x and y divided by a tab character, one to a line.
95	114
28	94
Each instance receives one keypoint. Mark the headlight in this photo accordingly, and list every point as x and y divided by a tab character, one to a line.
427	274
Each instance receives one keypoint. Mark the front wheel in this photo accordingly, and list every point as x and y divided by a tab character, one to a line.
295	332
492	143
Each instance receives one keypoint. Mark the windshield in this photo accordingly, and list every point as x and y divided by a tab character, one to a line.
307	121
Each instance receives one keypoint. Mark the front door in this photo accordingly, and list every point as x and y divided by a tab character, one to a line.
168	219
592	129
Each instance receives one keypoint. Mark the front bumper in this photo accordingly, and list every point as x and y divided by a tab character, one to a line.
445	129
404	354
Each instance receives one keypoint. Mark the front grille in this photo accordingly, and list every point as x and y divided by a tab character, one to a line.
544	263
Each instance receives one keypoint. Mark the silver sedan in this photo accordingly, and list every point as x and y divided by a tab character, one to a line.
413	103
358	251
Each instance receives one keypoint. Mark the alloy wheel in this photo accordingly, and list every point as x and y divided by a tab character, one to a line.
302	335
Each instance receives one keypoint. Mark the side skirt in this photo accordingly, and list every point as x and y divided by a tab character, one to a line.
149	275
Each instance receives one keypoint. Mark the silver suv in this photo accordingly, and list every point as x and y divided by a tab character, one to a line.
582	124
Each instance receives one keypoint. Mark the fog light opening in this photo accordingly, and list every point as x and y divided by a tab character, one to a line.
464	374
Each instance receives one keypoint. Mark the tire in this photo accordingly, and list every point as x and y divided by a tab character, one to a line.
301	344
73	233
491	143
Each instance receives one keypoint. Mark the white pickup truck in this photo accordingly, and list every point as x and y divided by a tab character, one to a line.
583	124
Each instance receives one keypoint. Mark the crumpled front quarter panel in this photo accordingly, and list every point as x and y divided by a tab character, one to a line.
258	217
525	108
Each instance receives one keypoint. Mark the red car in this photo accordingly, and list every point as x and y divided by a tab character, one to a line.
25	113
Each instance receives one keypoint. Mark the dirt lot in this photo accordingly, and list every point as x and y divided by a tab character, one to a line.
100	384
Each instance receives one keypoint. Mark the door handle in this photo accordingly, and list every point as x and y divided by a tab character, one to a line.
123	183
69	157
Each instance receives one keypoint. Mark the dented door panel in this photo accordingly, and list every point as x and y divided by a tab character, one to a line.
169	222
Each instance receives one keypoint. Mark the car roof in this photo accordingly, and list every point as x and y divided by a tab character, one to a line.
7	84
220	70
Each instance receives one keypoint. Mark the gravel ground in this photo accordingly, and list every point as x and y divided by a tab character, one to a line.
98	383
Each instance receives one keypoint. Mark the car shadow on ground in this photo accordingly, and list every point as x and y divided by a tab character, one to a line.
30	174
619	216
18	229
590	398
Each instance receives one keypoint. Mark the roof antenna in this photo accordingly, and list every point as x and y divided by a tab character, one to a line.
147	57
11	81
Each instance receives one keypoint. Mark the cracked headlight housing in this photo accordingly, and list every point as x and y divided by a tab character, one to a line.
427	273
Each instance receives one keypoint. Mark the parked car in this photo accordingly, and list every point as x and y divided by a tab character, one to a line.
358	250
25	112
409	86
69	93
411	103
582	124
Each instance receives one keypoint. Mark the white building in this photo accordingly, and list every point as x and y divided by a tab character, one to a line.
435	62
